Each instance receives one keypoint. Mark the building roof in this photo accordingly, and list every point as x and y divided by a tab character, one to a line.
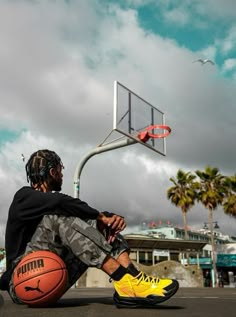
145	242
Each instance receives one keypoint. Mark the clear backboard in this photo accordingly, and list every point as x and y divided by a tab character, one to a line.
132	114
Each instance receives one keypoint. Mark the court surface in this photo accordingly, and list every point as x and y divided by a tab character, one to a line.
96	302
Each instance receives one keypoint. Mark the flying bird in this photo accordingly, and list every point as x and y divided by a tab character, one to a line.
204	61
23	157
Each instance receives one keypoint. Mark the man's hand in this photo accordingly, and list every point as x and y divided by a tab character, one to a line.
112	225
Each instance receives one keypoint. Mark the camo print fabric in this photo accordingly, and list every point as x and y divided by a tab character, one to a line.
77	242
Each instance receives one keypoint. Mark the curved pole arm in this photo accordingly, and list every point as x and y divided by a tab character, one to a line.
97	150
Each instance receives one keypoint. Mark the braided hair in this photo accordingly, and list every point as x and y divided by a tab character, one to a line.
39	164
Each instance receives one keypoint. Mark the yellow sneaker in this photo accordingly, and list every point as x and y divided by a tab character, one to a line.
143	290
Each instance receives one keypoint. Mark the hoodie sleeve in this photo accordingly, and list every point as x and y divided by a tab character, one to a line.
33	204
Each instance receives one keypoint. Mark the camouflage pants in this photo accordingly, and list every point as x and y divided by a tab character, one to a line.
77	242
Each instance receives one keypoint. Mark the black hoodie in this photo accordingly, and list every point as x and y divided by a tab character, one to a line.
26	211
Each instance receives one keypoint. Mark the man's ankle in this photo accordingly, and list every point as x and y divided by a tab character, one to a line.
119	273
132	270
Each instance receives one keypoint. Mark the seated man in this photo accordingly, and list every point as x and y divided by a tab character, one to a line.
42	218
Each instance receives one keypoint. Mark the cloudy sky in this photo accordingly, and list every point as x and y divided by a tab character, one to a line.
58	63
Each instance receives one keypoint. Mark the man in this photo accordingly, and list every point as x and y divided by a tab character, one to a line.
40	217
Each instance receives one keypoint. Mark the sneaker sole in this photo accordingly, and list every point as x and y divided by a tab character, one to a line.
147	302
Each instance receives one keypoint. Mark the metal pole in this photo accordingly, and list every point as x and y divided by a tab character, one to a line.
97	150
214	279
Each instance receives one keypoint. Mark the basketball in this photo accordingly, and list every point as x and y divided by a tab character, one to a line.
40	278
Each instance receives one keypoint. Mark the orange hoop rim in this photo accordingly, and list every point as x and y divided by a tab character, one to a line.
146	135
158	135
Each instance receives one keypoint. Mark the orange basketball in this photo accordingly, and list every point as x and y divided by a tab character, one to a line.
40	278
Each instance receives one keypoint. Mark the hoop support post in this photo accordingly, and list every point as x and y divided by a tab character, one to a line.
97	150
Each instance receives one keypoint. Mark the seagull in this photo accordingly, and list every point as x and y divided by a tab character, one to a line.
204	61
23	157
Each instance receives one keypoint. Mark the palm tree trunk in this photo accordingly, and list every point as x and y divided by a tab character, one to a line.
185	225
213	248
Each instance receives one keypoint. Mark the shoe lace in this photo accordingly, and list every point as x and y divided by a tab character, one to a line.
147	278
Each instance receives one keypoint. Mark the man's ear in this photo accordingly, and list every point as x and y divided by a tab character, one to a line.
52	172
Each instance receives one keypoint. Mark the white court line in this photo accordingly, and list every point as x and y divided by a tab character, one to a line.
209	297
189	297
206	297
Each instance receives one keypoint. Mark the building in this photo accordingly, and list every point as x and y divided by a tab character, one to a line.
156	243
2	261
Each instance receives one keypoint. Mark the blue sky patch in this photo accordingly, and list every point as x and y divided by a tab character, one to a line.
8	136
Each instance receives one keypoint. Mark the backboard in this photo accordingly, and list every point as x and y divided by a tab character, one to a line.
132	114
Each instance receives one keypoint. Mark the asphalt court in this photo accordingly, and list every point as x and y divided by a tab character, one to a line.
97	302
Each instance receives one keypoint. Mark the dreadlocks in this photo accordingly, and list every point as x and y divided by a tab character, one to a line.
39	165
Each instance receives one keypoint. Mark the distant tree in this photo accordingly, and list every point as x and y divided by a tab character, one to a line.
229	204
2	253
212	188
183	194
212	191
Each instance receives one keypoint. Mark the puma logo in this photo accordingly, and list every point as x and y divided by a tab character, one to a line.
30	266
29	288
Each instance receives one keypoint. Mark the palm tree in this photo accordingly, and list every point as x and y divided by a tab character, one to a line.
229	204
212	190
183	194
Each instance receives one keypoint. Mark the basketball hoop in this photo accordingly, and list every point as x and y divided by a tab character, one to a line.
145	135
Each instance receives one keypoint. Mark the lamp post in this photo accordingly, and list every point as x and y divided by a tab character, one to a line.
213	257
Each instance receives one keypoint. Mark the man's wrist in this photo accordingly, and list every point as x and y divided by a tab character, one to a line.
108	214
